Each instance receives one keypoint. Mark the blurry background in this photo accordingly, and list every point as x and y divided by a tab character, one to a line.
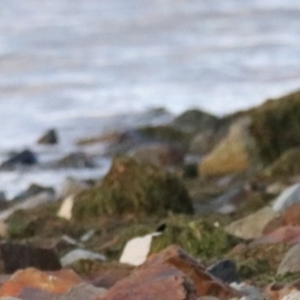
84	65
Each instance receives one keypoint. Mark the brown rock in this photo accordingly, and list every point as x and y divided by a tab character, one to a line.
58	282
49	138
158	154
291	216
154	282
205	283
18	256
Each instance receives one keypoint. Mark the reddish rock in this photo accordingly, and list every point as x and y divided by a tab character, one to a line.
286	234
276	291
154	282
292	215
273	225
57	282
205	283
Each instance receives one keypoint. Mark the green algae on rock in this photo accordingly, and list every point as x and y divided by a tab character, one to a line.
197	236
133	188
288	164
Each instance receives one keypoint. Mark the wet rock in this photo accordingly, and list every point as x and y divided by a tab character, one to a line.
134	188
24	158
137	249
252	226
75	161
80	254
195	120
49	138
226	270
65	210
288	197
18	256
206	284
58	282
235	153
33	190
158	154
290	262
160	282
83	291
71	186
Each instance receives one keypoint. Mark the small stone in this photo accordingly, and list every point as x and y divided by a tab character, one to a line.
49	138
288	197
66	207
225	270
290	262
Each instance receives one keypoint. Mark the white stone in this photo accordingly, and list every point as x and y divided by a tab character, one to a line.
137	249
65	210
292	296
288	197
79	254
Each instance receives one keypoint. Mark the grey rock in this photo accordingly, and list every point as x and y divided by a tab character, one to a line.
24	158
291	261
75	161
49	138
79	254
226	270
33	190
288	197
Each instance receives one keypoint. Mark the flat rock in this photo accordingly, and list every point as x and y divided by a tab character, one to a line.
226	270
252	226
290	262
79	254
24	158
18	256
58	282
288	197
76	160
155	282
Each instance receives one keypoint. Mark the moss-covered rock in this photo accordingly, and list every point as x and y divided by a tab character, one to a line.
196	120
288	164
276	126
133	188
197	236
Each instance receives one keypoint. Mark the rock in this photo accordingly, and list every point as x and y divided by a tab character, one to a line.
250	292
206	284
235	153
83	291
134	188
24	158
285	234
226	270
158	154
80	254
76	161
71	186
292	296
275	188
88	235
160	282
195	120
289	196
49	138
18	256
66	207
33	190
252	226
291	216
58	282
30	203
290	262
137	249
34	293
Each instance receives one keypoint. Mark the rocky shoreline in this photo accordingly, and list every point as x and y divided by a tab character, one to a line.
201	207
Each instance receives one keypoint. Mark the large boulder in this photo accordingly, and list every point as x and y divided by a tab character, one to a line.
133	188
257	137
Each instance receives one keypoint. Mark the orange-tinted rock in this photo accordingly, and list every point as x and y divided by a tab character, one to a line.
154	282
286	234
57	282
277	291
205	283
